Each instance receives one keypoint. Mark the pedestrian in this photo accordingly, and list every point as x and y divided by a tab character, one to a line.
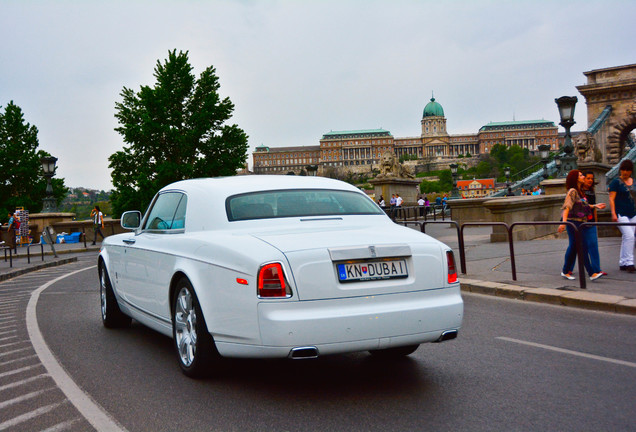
13	226
427	205
398	200
510	192
590	195
98	223
421	203
576	210
392	202
381	203
622	198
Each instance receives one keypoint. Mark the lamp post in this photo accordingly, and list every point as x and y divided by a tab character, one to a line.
566	106
557	161
544	151
48	168
507	174
454	192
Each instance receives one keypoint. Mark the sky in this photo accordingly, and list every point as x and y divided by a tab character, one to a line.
296	70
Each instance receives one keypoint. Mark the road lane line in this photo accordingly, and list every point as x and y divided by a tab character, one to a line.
24	381
29	416
95	414
23	398
17	360
6	353
8	332
567	351
62	426
19	370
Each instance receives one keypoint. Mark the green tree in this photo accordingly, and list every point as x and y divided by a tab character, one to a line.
175	130
21	180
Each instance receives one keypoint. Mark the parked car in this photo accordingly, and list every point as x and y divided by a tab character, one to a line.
277	266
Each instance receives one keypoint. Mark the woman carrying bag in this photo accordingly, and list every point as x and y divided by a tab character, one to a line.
577	210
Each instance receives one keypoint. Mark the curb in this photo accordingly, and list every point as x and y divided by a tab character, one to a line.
36	267
575	299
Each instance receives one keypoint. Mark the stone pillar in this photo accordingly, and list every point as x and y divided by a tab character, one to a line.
407	188
469	210
531	208
553	186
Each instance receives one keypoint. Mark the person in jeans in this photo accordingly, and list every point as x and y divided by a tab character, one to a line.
590	195
98	223
622	197
576	209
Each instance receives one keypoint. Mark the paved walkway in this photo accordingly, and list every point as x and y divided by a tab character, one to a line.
67	252
538	265
488	271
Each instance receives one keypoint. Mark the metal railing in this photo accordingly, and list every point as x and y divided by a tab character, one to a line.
414	213
509	232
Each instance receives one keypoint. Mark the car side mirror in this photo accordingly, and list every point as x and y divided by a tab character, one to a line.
131	220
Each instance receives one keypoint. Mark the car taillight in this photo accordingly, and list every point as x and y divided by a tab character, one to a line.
271	281
452	269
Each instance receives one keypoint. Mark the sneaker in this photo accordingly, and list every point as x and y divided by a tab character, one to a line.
596	276
623	268
568	275
630	269
603	273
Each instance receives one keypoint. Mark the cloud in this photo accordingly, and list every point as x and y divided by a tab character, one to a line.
296	70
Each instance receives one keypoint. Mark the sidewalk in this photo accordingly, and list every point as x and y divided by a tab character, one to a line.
66	253
488	269
538	265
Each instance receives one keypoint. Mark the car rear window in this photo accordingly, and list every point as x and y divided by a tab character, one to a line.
294	203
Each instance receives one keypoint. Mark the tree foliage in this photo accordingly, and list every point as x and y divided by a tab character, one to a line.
175	130
491	165
21	180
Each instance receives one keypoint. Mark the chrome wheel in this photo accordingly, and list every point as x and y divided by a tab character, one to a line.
102	292
185	322
112	316
193	343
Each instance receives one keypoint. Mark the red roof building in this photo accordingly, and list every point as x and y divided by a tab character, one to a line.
476	188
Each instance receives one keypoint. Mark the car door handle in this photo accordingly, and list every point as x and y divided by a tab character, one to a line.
129	241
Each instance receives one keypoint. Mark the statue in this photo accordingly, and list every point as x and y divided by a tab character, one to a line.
585	148
390	167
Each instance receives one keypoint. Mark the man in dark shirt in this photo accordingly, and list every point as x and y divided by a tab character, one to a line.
590	195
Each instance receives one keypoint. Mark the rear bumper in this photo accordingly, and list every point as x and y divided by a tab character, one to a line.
352	324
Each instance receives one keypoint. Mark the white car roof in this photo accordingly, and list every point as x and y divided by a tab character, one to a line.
206	196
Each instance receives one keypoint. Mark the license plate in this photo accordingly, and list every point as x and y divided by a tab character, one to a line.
364	271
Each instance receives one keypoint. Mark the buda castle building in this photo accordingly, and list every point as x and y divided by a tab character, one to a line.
361	150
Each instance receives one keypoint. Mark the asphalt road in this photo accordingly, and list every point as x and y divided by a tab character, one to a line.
514	366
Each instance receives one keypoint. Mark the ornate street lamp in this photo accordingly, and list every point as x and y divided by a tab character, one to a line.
566	106
454	192
48	168
557	162
544	151
507	174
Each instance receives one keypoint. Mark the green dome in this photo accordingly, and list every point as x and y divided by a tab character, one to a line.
433	109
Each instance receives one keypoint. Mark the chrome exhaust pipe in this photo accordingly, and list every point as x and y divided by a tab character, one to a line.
303	353
447	335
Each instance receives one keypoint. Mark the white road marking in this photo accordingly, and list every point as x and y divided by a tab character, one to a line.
17	360
29	416
61	426
91	411
19	370
24	397
6	353
566	351
24	381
